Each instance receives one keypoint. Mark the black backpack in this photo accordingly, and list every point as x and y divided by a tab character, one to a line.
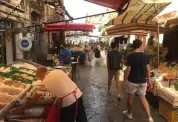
115	60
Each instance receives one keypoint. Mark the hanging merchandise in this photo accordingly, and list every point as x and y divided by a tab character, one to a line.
25	44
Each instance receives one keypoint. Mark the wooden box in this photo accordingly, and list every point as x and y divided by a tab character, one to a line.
167	111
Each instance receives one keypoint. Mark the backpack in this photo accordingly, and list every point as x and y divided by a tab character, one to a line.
115	60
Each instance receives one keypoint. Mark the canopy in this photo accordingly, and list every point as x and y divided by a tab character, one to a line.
171	12
69	27
139	12
156	1
134	29
114	4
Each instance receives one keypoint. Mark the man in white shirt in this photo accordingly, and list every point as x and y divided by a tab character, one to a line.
68	94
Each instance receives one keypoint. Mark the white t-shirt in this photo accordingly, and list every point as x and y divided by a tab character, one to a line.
58	83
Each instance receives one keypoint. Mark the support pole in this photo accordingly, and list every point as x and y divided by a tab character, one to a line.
158	44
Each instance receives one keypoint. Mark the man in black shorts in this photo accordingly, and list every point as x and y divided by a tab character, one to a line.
135	79
114	60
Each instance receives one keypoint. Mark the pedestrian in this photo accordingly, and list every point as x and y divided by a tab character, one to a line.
114	62
97	52
135	79
86	50
65	55
88	55
69	96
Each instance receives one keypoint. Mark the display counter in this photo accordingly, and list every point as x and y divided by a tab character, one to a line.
20	98
165	87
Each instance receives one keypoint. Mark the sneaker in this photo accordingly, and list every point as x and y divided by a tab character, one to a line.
150	119
129	116
119	97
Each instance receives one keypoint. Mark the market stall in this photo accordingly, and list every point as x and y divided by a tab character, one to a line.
166	86
20	98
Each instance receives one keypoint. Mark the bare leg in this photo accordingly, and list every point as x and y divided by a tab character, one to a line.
145	105
117	83
110	76
130	103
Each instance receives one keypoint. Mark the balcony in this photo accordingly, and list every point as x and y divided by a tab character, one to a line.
8	4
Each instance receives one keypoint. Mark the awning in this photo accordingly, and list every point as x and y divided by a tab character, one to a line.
139	12
69	27
134	29
114	4
156	1
171	12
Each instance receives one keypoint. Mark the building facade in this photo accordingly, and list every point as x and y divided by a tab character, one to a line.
26	18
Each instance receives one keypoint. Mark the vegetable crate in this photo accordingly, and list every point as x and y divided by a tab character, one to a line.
167	111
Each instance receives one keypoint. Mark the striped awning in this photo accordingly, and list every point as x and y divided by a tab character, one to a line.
134	29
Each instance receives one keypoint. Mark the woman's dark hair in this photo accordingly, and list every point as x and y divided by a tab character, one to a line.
137	43
113	45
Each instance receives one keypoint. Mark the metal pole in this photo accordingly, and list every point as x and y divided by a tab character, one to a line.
73	19
158	44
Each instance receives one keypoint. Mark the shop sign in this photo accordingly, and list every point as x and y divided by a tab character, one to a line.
25	44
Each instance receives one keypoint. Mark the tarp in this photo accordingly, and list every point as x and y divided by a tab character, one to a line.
156	1
69	27
171	12
114	4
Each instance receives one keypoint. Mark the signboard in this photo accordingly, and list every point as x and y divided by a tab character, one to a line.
25	44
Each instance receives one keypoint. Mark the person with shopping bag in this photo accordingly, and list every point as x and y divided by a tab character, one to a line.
68	95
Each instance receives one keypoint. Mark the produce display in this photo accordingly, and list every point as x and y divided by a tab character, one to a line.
9	90
31	72
25	76
24	65
17	88
35	96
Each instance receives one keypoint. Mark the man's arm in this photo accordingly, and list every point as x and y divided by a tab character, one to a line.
108	61
126	73
148	75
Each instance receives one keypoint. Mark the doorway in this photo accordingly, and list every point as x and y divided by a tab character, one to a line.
2	48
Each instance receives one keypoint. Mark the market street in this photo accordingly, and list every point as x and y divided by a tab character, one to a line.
102	106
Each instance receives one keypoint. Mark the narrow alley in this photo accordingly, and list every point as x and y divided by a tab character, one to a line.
102	106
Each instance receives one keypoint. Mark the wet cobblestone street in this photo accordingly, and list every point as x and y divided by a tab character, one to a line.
102	106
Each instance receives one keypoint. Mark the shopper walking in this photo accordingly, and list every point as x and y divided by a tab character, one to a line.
135	79
69	96
114	61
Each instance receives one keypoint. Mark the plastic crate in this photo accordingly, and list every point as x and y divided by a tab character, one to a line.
167	111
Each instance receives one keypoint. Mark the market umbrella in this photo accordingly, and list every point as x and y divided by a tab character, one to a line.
171	12
69	27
